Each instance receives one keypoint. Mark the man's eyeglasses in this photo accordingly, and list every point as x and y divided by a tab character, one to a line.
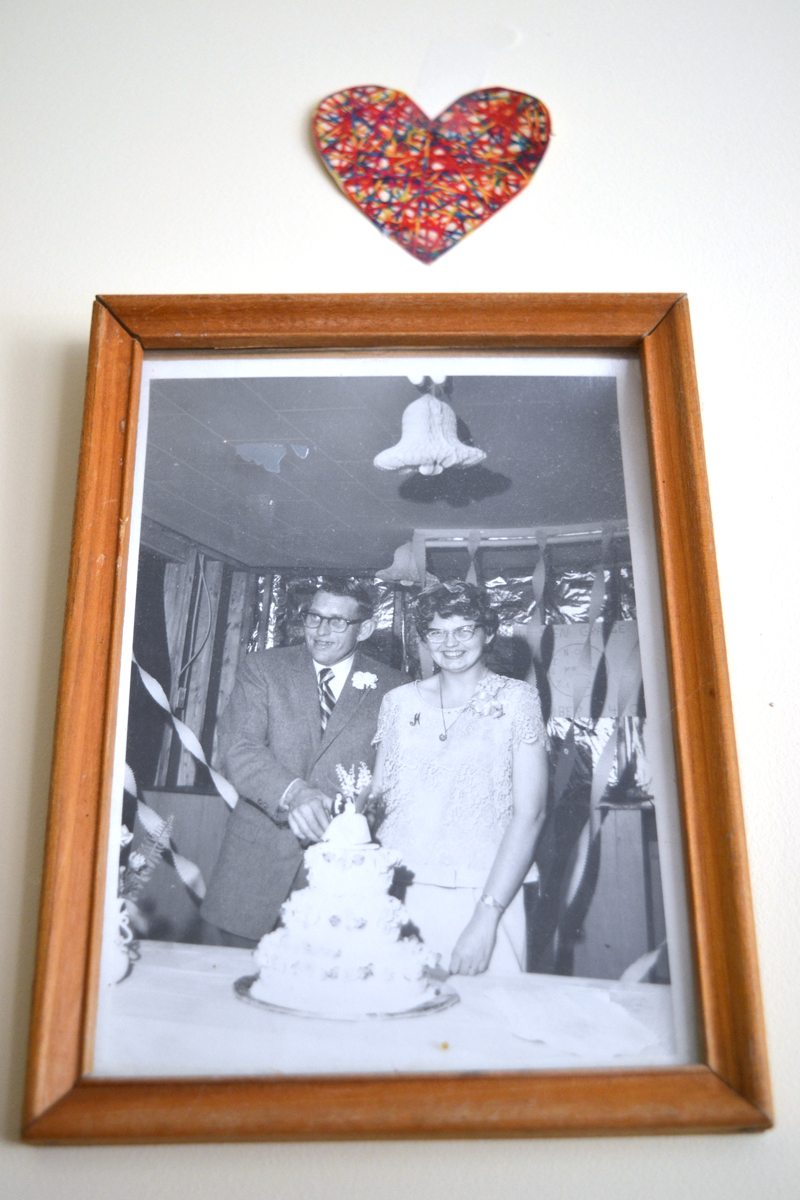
438	637
313	620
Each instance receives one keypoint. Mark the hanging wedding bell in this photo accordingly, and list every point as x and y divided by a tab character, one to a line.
428	441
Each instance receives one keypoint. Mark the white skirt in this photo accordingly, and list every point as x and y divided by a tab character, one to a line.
442	913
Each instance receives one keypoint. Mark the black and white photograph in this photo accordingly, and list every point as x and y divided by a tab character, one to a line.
394	787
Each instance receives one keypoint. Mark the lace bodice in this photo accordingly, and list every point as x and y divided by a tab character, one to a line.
448	802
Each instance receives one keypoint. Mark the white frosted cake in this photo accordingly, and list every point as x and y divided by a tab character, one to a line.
339	952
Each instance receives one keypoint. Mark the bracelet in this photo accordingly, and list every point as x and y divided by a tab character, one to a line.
490	902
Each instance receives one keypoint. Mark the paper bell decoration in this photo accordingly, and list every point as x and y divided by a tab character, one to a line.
405	570
428	441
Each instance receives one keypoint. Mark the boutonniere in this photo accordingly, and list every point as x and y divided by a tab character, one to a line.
363	680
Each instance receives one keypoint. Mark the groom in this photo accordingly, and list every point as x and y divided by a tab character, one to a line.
295	713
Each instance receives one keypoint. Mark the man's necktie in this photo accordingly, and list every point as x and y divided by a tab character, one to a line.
326	699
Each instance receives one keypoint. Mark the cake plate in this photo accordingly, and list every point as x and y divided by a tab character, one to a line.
445	999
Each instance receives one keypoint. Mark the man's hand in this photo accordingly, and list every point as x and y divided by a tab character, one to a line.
310	814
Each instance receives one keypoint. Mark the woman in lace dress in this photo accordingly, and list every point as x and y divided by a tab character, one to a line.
462	768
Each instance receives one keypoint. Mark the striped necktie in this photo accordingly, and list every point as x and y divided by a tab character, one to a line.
326	698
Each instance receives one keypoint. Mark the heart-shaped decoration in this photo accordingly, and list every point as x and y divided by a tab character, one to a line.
427	183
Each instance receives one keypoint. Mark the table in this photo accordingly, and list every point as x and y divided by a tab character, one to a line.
177	1015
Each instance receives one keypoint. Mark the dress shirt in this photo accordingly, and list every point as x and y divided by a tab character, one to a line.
341	670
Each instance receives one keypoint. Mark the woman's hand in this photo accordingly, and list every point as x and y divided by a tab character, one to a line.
474	947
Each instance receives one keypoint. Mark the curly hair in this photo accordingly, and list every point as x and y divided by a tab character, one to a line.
455	599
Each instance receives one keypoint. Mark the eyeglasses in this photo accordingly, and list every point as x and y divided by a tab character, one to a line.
438	637
313	620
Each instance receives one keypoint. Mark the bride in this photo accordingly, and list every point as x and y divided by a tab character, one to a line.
462	769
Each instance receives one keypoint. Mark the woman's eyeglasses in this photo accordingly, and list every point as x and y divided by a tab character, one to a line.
313	620
438	637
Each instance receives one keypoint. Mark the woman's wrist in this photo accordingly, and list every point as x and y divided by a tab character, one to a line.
491	912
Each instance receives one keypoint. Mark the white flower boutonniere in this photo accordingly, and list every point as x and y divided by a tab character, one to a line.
363	680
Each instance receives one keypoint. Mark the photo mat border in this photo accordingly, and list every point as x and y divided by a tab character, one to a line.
729	1088
621	367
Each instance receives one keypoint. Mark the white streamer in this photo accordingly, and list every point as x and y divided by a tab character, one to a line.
188	737
188	872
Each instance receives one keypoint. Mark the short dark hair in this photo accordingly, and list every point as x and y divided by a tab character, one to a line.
353	589
455	599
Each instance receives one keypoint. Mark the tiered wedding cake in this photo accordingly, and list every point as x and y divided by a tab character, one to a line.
339	952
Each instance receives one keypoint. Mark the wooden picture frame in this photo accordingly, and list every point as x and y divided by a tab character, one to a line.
728	1089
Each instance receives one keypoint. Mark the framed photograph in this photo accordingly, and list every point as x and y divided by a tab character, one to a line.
395	789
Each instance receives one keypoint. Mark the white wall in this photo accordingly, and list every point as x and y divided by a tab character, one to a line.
163	146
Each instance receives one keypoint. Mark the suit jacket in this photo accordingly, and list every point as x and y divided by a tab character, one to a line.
269	735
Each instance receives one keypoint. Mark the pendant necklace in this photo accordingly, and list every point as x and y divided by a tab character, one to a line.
445	727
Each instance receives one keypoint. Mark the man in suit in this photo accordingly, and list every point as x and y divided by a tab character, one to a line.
295	713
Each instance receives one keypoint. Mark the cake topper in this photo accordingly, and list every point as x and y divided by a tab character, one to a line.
355	788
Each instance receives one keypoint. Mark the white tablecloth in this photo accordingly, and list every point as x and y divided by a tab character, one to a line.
177	1015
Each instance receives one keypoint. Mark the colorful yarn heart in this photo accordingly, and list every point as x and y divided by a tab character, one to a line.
427	183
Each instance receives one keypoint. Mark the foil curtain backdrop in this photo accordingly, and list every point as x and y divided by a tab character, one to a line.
568	624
